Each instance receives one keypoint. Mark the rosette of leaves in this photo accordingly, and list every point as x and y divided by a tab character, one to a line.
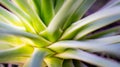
52	33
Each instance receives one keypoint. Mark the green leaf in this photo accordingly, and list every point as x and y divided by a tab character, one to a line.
22	15
100	16
47	11
68	63
19	51
96	25
27	63
86	4
9	26
3	19
104	33
78	63
107	40
100	46
53	62
13	60
89	58
36	22
58	5
24	6
63	45
10	17
110	49
38	40
58	21
5	45
37	6
12	41
110	4
8	29
37	57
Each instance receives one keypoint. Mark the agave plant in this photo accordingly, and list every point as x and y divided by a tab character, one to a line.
53	33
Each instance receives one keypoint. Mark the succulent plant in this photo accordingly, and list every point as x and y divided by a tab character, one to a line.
54	33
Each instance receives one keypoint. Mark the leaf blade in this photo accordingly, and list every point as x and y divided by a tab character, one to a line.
74	28
87	57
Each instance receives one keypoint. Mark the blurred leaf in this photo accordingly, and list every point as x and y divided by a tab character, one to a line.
19	51
89	58
68	63
10	17
104	33
107	40
68	8
92	46
5	45
96	25
110	4
36	22
37	57
47	11
58	5
53	62
78	14
39	41
24	17
103	17
8	29
13	60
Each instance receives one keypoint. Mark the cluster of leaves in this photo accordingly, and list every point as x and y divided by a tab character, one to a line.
52	33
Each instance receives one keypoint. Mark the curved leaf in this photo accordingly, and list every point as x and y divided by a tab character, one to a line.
53	62
5	45
96	25
110	4
85	5
7	29
36	22
16	52
90	46
108	14
47	11
57	22
14	60
40	41
10	17
58	5
104	33
68	63
89	58
25	18
37	57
